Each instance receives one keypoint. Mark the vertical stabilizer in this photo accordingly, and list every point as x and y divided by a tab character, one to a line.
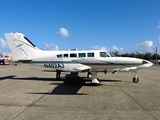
21	47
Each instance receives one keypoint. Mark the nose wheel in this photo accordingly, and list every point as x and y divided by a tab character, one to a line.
136	79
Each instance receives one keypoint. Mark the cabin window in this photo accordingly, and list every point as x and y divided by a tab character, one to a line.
82	54
90	54
59	56
65	55
73	55
103	54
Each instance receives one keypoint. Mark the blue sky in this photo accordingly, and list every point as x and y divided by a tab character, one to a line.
115	25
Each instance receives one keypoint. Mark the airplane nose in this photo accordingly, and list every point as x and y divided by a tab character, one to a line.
147	63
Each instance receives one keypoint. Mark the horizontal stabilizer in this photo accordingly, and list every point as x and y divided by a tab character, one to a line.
25	60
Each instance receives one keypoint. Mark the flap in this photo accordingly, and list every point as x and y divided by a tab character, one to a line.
84	67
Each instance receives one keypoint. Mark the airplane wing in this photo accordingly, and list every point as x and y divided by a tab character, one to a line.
112	69
126	69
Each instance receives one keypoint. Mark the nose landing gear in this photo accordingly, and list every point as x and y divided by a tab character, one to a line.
136	79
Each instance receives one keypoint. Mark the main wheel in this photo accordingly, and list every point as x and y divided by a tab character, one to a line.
135	79
89	75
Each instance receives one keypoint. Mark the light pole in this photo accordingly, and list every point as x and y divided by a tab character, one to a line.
156	56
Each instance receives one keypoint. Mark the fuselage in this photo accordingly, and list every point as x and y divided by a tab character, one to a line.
98	60
93	61
72	61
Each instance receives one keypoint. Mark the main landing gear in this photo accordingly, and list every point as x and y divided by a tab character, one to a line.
93	76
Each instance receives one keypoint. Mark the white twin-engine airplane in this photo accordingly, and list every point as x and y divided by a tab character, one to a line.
92	61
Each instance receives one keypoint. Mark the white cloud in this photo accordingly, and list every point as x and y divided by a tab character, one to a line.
51	46
3	43
97	48
146	46
3	46
115	48
159	25
63	32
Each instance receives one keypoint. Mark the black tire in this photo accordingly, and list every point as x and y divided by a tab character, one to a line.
89	75
3	62
135	80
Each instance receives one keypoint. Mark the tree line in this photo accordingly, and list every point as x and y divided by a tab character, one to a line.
146	56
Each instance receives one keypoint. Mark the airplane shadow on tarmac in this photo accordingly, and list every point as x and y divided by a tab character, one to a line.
65	86
7	77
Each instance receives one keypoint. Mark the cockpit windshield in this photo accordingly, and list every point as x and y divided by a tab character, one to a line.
104	54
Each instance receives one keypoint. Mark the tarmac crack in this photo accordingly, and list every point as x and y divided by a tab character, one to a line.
11	105
30	105
138	103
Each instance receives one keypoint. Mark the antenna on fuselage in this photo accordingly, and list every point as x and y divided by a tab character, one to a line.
73	49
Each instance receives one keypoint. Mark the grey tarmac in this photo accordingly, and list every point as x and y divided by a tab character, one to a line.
33	93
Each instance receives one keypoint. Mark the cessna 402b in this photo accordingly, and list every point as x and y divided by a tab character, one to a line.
93	61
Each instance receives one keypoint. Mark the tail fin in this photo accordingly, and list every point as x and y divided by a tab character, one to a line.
21	47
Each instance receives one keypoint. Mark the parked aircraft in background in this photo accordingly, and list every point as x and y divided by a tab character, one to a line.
93	61
5	58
